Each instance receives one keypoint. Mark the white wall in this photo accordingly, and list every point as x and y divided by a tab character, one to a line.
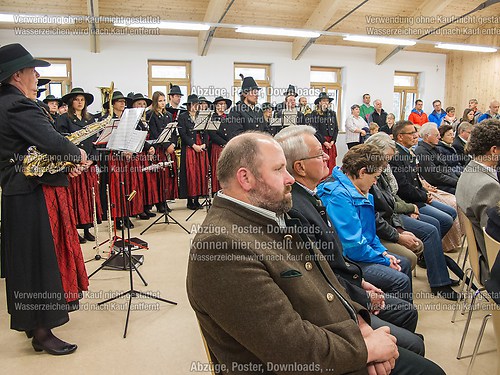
124	60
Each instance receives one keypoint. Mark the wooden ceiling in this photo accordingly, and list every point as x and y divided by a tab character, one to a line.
338	16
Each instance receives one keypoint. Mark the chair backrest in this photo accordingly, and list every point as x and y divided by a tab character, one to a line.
472	247
210	356
492	248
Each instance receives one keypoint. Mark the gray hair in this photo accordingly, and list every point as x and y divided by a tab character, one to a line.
382	141
464	126
292	142
426	129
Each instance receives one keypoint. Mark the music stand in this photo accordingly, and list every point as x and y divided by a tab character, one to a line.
164	137
122	143
289	118
203	123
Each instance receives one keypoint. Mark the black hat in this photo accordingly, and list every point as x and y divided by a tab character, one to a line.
89	98
192	99
291	91
323	95
248	84
229	102
136	97
202	99
14	57
175	90
267	105
42	81
52	98
117	95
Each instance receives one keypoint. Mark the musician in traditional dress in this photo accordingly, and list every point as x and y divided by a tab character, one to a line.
81	187
54	104
194	156
168	189
174	101
247	115
41	258
218	138
324	120
204	103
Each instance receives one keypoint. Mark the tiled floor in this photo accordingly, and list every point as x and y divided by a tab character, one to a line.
165	339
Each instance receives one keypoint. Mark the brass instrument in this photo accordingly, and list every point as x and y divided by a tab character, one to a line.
36	163
106	95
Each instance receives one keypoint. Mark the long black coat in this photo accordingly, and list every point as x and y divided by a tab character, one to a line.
243	118
67	125
325	124
459	145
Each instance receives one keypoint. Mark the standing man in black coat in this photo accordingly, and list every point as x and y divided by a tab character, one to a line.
41	258
307	207
378	116
246	115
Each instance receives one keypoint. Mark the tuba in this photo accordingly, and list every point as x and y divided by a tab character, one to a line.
36	163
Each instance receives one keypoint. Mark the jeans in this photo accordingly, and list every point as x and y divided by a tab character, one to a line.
442	212
437	271
392	282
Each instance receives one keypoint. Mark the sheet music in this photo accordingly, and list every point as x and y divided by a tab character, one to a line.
289	117
166	133
106	132
275	121
125	137
202	119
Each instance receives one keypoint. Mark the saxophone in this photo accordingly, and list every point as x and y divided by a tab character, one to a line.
35	163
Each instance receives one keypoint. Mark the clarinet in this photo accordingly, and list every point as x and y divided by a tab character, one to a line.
170	166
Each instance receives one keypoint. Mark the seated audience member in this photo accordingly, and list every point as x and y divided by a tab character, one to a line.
386	200
410	188
432	168
473	105
492	113
447	152
374	128
438	114
266	311
350	208
493	283
493	222
387	128
450	118
298	144
418	116
355	127
478	187
463	134
469	116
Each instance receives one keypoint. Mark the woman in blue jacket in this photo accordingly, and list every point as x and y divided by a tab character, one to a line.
350	207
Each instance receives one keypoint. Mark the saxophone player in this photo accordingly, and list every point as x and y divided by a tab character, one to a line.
80	187
40	255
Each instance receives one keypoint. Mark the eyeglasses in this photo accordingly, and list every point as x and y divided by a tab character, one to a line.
320	156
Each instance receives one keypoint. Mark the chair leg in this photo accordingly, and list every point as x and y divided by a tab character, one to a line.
478	342
461	250
468	290
465	257
463	296
467	323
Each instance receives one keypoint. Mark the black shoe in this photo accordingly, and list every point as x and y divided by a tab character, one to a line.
191	206
128	223
88	236
421	261
446	292
149	213
29	334
144	216
66	349
454	282
197	204
81	239
160	207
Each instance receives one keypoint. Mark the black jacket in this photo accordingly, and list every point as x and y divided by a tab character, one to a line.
158	122
24	124
381	119
65	125
243	118
325	124
187	132
386	219
459	145
434	170
450	156
220	136
404	167
314	219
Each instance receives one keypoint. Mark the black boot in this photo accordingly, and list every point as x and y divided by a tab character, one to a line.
197	203
88	235
446	292
143	216
147	211
160	207
190	204
81	239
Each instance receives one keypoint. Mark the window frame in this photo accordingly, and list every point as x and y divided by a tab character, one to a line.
66	82
265	84
325	86
169	81
403	91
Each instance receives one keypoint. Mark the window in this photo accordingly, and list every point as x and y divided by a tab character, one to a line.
405	94
327	80
260	72
59	73
161	74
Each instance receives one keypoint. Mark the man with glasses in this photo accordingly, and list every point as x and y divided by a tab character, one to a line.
404	166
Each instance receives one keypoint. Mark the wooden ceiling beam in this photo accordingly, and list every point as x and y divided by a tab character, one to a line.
427	8
319	20
214	13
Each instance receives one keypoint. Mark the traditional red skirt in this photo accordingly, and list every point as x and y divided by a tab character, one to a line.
332	153
196	170
130	172
214	158
168	183
68	252
151	194
80	189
